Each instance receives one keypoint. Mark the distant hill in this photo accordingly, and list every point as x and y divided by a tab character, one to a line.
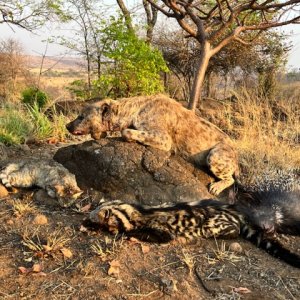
54	62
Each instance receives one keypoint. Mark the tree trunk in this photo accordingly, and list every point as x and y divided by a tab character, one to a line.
200	74
126	14
208	84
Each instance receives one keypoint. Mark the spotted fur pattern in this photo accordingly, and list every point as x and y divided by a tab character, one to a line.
163	123
206	218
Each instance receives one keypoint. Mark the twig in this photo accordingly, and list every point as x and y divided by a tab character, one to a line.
197	273
143	295
293	297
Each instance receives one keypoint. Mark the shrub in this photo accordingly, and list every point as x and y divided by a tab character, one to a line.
33	95
136	66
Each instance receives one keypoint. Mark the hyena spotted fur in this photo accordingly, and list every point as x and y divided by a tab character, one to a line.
49	175
205	218
163	123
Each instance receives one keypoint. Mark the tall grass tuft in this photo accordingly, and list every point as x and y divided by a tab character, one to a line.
15	127
43	128
59	121
267	133
19	123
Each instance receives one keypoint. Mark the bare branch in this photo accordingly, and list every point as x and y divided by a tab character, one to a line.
126	15
168	14
151	15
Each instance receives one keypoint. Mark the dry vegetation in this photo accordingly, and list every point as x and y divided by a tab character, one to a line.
45	253
58	258
266	133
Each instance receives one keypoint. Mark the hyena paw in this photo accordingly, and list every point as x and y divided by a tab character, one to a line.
216	188
127	134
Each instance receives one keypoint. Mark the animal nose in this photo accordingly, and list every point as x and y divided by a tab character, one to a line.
69	126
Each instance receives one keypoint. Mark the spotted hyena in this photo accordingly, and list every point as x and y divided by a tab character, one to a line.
49	175
163	123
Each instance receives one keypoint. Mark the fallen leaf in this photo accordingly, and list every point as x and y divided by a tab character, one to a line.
241	290
145	248
86	208
24	270
37	268
66	252
53	140
3	191
114	269
39	274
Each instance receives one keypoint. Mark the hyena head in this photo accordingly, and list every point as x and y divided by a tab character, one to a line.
94	119
66	191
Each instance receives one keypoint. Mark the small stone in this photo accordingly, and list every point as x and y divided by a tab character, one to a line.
235	247
3	191
40	220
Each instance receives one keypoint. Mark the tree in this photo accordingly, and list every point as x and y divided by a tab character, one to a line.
28	14
151	18
216	24
85	18
181	55
11	64
132	66
11	59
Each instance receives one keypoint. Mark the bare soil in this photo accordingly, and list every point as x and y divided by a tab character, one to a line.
61	259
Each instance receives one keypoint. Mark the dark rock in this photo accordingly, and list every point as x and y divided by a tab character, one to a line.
130	171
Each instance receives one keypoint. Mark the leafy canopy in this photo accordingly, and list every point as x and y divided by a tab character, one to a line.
133	66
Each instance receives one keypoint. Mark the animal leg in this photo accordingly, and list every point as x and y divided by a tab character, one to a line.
222	162
153	138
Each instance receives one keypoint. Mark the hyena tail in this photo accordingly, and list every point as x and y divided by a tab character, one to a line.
270	245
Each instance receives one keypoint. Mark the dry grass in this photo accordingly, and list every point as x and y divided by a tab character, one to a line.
21	208
36	242
222	253
267	134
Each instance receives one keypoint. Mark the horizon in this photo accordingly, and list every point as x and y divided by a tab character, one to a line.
35	43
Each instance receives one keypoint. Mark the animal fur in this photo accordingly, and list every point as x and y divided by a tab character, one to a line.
206	218
163	123
49	175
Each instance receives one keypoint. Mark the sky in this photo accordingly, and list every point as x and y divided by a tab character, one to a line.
34	44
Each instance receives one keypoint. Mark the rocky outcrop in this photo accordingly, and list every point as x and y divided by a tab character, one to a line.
130	171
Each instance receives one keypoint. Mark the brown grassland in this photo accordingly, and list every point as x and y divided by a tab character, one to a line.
45	253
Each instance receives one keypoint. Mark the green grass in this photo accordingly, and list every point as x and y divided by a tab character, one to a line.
15	126
19	123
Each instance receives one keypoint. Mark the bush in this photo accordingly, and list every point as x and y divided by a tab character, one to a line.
15	126
136	66
79	88
33	95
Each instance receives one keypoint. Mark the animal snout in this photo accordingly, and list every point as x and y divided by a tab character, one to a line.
69	126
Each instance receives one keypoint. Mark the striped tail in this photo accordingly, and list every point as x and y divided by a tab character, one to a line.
272	246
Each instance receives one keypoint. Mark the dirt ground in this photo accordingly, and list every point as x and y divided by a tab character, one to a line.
46	253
